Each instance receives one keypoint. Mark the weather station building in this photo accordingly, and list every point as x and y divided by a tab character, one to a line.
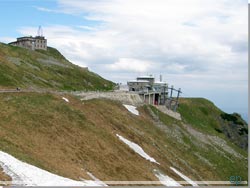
32	43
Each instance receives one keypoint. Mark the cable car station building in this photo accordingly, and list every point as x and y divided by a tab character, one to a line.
150	91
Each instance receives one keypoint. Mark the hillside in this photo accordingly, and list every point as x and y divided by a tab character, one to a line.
73	138
205	116
47	70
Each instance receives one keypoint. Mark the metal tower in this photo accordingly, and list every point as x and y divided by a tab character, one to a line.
40	31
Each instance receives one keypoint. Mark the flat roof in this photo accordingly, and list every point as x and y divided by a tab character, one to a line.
25	37
39	37
13	42
159	82
145	77
139	81
30	37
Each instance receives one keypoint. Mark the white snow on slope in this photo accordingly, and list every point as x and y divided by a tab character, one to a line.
67	100
184	177
25	174
137	149
166	180
132	109
96	179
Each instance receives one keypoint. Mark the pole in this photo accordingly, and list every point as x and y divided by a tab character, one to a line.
164	95
172	87
176	103
179	91
171	94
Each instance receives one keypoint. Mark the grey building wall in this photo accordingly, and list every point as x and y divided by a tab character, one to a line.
137	86
150	91
150	79
31	43
40	43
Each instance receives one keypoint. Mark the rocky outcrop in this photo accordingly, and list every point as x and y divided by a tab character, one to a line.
235	128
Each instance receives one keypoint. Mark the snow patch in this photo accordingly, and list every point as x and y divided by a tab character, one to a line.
184	177
25	174
132	109
166	180
67	100
137	149
96	179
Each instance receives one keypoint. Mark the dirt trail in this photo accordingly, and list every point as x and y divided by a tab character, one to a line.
171	113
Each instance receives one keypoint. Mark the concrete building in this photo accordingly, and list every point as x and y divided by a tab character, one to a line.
141	84
138	85
40	43
32	43
150	79
150	91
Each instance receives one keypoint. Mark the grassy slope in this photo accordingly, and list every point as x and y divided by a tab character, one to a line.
65	138
204	116
201	113
45	69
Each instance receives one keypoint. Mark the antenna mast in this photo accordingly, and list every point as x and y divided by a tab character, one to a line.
40	31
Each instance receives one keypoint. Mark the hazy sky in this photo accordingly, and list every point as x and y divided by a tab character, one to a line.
197	45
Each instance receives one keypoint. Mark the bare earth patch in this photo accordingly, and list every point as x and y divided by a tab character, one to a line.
3	176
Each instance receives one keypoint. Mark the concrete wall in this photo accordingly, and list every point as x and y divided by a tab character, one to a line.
24	44
137	86
40	43
123	96
31	43
151	80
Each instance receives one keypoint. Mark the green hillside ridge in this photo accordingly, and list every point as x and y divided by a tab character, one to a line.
41	69
72	138
205	116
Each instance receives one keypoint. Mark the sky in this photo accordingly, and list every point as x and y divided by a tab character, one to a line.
198	46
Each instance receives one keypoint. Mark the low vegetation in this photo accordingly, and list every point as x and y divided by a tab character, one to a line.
45	70
206	117
71	139
76	137
200	113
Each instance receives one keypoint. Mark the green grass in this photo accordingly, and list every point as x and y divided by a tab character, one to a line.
200	113
23	68
53	53
44	130
168	120
203	116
